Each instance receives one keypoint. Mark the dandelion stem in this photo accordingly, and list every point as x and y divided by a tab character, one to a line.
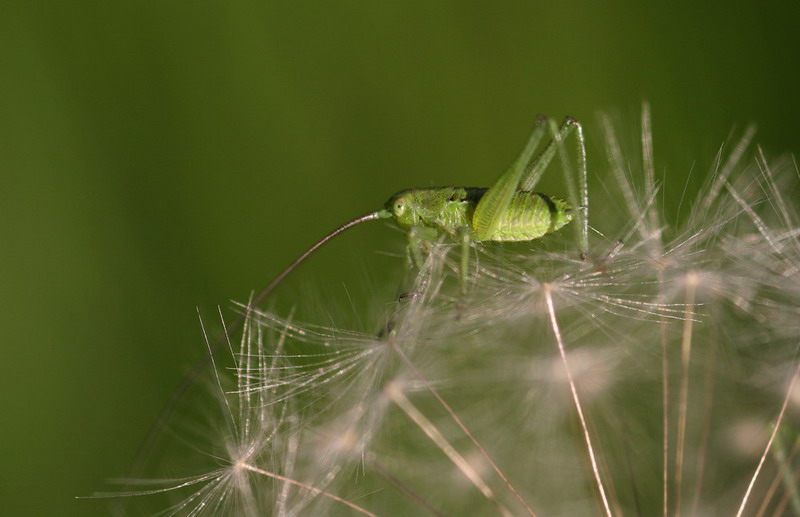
395	394
615	157
780	510
306	487
400	485
283	495
686	354
665	414
466	431
575	398
664	401
231	420
785	474
647	158
730	165
764	230
709	387
771	439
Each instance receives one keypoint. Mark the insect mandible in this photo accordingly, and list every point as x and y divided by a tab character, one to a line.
509	210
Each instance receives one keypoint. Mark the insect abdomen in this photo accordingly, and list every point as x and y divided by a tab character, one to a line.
531	215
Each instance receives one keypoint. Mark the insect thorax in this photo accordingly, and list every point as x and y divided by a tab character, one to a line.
445	209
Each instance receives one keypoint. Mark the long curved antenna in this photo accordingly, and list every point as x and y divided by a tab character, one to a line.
166	412
299	260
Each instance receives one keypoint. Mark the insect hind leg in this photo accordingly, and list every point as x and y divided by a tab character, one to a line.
578	196
583	183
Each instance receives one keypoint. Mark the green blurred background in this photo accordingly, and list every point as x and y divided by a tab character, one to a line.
158	157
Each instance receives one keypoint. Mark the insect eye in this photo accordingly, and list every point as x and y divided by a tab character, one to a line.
399	207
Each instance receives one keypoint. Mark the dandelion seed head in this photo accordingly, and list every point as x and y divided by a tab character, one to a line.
656	364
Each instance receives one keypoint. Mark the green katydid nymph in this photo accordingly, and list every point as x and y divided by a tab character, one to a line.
509	210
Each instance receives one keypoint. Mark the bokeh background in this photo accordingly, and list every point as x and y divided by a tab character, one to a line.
157	158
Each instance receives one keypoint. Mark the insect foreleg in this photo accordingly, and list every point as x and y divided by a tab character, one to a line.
415	248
